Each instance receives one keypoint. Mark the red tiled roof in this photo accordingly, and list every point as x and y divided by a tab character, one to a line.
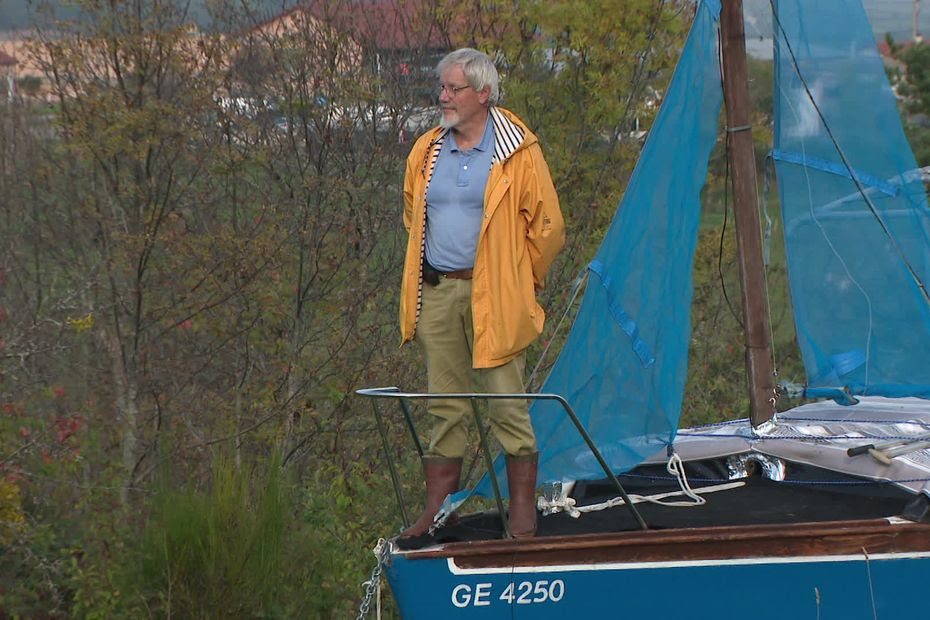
885	51
389	25
6	60
393	25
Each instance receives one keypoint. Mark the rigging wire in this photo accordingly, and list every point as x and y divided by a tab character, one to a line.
803	437
577	287
726	195
855	179
840	259
809	419
580	279
768	298
636	85
720	249
848	483
723	231
810	199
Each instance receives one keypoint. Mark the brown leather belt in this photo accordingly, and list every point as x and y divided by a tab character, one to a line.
464	274
431	274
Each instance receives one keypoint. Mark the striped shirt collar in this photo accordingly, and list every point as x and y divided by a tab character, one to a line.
508	136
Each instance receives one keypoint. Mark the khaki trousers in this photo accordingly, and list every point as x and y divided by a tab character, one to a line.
445	334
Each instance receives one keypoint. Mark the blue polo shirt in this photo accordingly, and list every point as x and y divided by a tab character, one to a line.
455	202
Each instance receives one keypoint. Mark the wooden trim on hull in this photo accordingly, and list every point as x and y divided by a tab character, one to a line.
713	543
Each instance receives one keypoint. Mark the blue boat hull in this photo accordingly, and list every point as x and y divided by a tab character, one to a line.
828	587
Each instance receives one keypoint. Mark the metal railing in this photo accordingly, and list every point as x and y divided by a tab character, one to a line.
473	397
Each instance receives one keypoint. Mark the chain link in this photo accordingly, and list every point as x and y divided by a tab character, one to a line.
373	585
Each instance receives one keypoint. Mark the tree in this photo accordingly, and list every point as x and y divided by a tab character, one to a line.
913	85
201	245
589	87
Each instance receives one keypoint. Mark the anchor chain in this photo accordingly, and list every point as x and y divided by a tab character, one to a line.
373	585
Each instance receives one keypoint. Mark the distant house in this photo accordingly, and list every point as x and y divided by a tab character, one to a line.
389	48
31	52
403	41
19	65
397	42
8	74
326	55
888	55
891	59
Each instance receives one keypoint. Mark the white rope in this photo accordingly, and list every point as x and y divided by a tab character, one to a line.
563	503
568	504
675	467
657	498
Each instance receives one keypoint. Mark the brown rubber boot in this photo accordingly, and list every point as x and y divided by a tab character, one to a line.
521	478
442	478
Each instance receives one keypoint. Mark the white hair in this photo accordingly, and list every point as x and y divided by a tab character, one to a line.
478	68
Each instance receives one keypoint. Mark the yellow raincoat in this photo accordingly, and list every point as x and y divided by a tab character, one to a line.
520	235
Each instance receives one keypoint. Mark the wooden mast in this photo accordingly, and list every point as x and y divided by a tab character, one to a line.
748	232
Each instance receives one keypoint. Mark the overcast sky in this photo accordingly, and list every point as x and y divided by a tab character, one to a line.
887	15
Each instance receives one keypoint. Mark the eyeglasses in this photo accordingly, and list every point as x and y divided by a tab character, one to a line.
452	91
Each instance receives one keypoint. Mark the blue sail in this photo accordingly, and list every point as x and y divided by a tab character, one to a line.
858	256
623	366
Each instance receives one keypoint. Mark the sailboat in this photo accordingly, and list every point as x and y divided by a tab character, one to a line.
819	511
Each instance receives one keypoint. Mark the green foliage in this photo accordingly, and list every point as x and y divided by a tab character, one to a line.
216	554
96	583
589	87
201	243
919	137
716	386
11	513
586	84
34	573
339	525
917	78
249	545
911	80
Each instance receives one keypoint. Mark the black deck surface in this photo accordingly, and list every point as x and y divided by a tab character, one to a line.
808	495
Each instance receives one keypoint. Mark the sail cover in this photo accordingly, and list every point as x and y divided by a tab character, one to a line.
857	256
623	366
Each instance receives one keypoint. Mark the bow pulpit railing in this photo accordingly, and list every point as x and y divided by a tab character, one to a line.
402	397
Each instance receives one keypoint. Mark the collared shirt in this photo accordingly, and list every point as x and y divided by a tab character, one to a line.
455	202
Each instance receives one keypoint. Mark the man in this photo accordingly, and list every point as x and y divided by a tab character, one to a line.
484	225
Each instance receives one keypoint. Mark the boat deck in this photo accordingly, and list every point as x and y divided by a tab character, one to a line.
780	482
759	501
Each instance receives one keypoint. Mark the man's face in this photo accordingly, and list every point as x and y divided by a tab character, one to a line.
460	103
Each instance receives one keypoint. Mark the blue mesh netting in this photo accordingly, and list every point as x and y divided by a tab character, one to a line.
862	322
623	365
